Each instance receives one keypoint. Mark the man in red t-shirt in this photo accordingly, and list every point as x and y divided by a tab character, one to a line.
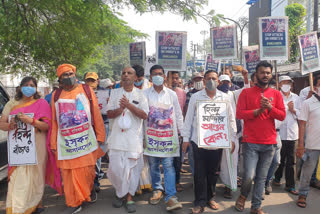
258	107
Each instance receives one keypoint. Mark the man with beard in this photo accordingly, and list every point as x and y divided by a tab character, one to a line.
258	107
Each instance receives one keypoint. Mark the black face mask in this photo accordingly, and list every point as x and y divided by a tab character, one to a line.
69	81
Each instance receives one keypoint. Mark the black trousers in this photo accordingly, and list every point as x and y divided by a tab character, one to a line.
177	163
206	164
288	154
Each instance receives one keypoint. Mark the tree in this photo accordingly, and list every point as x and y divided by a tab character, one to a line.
296	13
38	35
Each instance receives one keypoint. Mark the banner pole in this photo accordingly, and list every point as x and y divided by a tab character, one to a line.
276	73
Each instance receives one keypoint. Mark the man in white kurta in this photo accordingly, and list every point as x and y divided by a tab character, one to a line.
127	108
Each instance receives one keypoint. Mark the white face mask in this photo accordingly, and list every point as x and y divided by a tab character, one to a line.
198	85
285	88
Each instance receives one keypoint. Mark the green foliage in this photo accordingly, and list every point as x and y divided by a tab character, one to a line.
111	61
38	35
296	13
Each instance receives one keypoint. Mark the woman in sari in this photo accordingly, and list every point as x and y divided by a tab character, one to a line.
26	183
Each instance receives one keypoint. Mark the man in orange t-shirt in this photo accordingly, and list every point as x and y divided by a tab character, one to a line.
76	131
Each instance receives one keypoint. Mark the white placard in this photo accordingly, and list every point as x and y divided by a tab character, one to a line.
213	124
103	97
21	144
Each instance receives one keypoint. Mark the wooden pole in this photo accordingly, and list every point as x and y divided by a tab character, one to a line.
276	73
224	67
311	81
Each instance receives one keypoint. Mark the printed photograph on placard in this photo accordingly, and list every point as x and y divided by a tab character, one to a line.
213	124
273	38
309	51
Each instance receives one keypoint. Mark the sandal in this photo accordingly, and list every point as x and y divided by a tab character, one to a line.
240	203
131	206
197	209
227	193
276	183
179	188
293	191
302	201
213	205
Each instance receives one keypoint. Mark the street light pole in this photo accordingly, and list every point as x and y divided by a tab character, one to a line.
241	35
204	33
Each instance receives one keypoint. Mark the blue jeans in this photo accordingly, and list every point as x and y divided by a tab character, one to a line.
169	175
257	159
310	158
275	161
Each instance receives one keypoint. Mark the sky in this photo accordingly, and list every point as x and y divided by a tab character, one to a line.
151	22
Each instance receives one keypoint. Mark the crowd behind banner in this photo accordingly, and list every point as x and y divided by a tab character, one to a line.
254	133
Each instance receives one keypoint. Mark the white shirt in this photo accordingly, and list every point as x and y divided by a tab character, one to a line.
189	131
310	112
304	93
130	140
289	129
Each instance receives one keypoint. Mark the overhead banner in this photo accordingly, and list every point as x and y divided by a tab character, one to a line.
21	144
171	49
273	38
251	58
213	128
224	42
137	53
309	51
212	64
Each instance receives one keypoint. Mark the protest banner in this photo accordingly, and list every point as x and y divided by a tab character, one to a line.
213	128
273	38
150	61
171	48
309	51
137	53
251	58
212	64
21	144
161	135
224	42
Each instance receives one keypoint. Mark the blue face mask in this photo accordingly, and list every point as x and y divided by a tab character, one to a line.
28	91
157	80
138	83
224	88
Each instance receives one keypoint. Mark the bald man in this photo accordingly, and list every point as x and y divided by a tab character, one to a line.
127	108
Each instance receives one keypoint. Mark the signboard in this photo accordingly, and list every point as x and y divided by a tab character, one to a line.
224	42
251	58
273	38
137	53
212	64
213	128
21	144
150	61
309	51
171	48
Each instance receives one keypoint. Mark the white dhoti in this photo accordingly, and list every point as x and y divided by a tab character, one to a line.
124	171
228	167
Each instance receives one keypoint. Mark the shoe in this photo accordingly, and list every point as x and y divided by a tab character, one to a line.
315	184
179	188
117	202
263	195
97	189
93	196
173	204
38	210
156	197
268	189
256	211
227	193
72	210
131	206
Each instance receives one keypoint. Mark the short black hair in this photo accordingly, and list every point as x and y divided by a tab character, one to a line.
155	67
139	70
252	76
175	72
264	64
210	71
